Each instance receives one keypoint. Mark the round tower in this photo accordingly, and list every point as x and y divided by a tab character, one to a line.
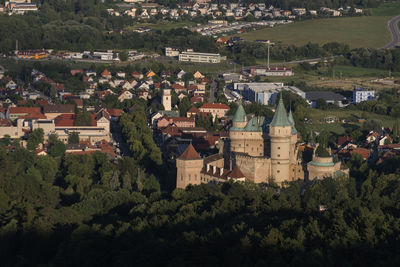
166	99
189	166
280	131
237	131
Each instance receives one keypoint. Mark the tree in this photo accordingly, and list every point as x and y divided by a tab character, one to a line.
73	138
123	56
35	138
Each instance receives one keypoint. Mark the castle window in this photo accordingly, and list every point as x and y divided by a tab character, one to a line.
247	144
279	155
189	177
279	162
279	147
181	177
278	171
195	177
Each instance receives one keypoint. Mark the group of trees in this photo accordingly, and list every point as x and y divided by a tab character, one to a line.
139	137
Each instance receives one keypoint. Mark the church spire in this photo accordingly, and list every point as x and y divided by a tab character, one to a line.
280	116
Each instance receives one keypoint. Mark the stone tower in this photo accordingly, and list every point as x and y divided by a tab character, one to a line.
166	99
189	166
280	131
246	136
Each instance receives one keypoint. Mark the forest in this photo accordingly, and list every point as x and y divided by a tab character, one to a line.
82	210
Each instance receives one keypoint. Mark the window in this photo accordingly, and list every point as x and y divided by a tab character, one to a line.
195	177
181	177
279	147
279	155
189	177
247	144
279	163
278	171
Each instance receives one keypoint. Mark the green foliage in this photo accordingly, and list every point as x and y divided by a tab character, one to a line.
35	138
83	118
73	138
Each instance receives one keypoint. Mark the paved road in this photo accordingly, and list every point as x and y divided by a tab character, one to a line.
394	32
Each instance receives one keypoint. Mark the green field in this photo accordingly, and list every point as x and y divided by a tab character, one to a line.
387	9
365	31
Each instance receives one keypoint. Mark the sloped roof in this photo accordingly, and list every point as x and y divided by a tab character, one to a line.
59	108
214	106
236	173
240	114
190	153
280	116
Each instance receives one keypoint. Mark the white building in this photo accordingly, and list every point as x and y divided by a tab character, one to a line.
200	57
171	52
271	72
264	93
360	95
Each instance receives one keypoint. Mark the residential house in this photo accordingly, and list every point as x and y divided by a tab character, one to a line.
125	95
216	109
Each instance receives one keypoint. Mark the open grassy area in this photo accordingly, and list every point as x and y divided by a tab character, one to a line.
318	116
387	9
365	31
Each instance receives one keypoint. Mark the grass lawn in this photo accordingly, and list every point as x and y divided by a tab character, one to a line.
339	128
387	9
365	31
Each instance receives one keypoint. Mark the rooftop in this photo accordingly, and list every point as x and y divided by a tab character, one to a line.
190	153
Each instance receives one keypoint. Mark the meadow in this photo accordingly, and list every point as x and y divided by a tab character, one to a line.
365	31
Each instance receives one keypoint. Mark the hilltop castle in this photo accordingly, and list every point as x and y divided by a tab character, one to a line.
257	150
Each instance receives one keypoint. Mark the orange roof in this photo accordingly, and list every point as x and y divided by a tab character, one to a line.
177	86
114	112
65	120
105	73
214	106
193	110
190	153
22	110
236	173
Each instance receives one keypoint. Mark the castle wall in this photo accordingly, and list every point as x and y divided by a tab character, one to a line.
256	169
251	143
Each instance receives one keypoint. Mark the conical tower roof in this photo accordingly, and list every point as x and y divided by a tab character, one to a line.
280	116
291	121
240	114
190	153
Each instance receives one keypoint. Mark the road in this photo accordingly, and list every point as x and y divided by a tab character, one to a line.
394	32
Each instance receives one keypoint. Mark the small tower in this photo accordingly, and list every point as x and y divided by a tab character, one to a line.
280	131
189	166
166	99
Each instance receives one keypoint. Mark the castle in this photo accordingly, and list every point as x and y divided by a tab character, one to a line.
258	150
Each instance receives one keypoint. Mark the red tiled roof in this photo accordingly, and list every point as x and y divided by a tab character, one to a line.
5	123
177	86
193	110
23	110
214	106
236	173
190	153
65	120
105	73
176	119
115	112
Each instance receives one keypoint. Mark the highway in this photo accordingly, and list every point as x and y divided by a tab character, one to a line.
394	32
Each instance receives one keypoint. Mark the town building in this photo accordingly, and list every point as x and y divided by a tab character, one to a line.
361	94
166	99
217	110
264	93
271	72
200	57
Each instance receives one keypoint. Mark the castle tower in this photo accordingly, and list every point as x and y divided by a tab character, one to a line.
166	99
295	167
189	166
280	131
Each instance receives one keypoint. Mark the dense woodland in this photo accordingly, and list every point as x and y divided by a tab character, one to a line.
85	211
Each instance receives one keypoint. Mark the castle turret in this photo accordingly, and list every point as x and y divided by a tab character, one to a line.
280	131
189	166
239	119
166	99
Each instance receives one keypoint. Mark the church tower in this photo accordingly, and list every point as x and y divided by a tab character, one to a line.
189	166
280	131
166	99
